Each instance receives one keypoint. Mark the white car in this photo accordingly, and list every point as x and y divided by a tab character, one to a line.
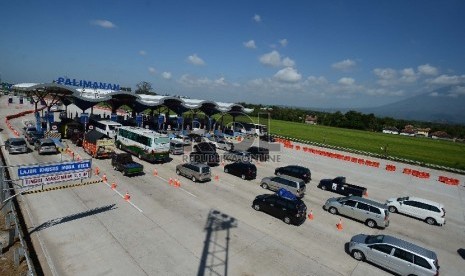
427	210
224	145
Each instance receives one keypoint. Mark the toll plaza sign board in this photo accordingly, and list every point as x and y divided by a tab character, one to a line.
31	171
55	178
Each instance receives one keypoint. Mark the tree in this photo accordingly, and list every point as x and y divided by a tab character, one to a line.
144	87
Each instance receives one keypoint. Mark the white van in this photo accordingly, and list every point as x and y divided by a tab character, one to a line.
427	210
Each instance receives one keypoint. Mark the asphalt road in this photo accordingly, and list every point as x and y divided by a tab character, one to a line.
211	229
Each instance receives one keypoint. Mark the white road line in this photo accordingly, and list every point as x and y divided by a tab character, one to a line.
178	187
122	196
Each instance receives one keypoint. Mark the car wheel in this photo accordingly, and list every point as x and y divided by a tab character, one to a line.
178	172
324	188
278	173
264	186
139	156
333	210
392	209
114	168
431	221
358	255
243	176
226	170
371	223
193	179
256	207
287	220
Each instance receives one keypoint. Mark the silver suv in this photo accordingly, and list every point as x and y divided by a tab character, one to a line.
294	185
370	212
394	254
16	145
194	171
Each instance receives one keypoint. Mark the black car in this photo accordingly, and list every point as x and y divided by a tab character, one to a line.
195	137
123	162
245	170
295	171
290	211
33	136
259	153
267	138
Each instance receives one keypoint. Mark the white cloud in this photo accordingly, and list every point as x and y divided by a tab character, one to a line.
152	70
288	74
191	81
166	75
408	75
346	81
387	76
257	18
288	62
283	42
427	69
344	65
142	53
312	80
103	23
195	60
434	94
448	80
272	58
250	44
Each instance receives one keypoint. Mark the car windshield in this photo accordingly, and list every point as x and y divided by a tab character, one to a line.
374	239
48	144
18	143
205	169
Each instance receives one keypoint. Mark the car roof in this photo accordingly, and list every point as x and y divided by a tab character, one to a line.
410	246
16	139
439	205
289	178
296	167
47	140
368	201
197	164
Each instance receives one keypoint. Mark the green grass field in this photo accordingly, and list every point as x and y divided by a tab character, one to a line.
424	150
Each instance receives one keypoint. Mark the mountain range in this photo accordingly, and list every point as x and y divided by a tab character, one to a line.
445	105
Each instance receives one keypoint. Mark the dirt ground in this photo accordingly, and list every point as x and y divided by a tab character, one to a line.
7	267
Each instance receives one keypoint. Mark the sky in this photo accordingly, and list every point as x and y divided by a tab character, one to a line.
320	54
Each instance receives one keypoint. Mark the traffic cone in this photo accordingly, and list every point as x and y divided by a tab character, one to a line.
170	181
339	225
97	171
155	172
365	194
127	197
113	186
104	178
176	183
217	178
310	216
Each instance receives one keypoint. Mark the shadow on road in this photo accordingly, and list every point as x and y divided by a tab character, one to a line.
214	260
80	215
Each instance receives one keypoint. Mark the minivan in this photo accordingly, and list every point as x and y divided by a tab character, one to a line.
396	255
243	169
372	213
176	146
294	185
290	211
429	211
194	171
259	153
295	171
46	145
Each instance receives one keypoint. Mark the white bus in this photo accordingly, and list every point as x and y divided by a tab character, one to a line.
144	143
106	127
252	128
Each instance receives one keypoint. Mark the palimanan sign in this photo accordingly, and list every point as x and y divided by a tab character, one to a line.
88	84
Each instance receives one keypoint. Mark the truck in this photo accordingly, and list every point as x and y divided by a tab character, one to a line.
123	162
98	145
340	186
205	152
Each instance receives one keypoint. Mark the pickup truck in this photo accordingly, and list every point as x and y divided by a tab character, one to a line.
340	186
123	162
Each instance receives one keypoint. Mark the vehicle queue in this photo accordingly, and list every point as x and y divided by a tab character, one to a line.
152	146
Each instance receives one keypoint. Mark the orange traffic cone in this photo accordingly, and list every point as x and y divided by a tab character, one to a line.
365	194
170	181
155	172
127	197
217	178
97	171
310	216
113	185
104	178
178	183
339	225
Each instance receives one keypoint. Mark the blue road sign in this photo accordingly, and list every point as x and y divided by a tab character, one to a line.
114	117
37	170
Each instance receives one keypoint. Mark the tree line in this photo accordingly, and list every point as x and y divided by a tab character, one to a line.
353	120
